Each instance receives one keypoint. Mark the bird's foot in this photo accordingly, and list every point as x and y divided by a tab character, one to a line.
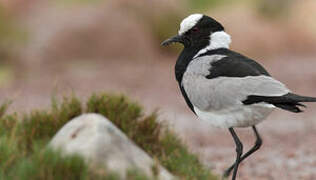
226	173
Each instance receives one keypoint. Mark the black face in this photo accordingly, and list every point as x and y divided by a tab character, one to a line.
199	35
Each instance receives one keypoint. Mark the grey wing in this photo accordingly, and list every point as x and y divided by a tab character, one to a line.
223	92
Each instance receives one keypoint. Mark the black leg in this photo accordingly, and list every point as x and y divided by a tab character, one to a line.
257	145
239	148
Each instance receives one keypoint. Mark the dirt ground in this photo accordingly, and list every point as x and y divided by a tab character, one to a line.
289	148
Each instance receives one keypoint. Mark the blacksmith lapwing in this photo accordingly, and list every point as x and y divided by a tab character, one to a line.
224	88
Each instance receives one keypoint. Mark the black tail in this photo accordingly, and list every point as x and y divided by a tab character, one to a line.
289	102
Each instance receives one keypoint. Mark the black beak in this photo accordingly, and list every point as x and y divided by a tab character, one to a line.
174	39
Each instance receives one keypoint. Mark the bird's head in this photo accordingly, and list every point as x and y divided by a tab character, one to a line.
198	30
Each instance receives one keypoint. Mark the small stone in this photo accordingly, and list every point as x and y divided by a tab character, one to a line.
100	142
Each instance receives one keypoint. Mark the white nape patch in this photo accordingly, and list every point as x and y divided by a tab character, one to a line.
217	40
189	22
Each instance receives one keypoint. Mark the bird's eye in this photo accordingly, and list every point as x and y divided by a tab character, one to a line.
195	29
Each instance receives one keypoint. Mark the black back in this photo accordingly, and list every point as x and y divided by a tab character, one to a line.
234	65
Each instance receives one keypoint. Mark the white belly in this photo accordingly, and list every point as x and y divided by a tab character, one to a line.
237	116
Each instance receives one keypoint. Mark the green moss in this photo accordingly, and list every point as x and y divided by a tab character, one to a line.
118	109
50	165
41	125
177	159
128	116
10	154
23	141
148	134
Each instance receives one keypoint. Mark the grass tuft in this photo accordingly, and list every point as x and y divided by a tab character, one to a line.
117	109
23	141
148	134
50	165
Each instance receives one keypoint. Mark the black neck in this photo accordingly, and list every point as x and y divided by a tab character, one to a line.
185	58
183	61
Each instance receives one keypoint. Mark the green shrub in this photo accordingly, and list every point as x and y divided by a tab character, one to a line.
148	134
50	165
23	141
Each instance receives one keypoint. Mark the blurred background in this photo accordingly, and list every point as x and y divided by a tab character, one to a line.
63	47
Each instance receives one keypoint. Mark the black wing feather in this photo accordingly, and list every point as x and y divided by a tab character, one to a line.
290	101
233	65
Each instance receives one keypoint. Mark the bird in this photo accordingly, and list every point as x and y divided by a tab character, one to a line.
225	88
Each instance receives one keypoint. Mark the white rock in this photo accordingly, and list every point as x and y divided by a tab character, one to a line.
100	142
